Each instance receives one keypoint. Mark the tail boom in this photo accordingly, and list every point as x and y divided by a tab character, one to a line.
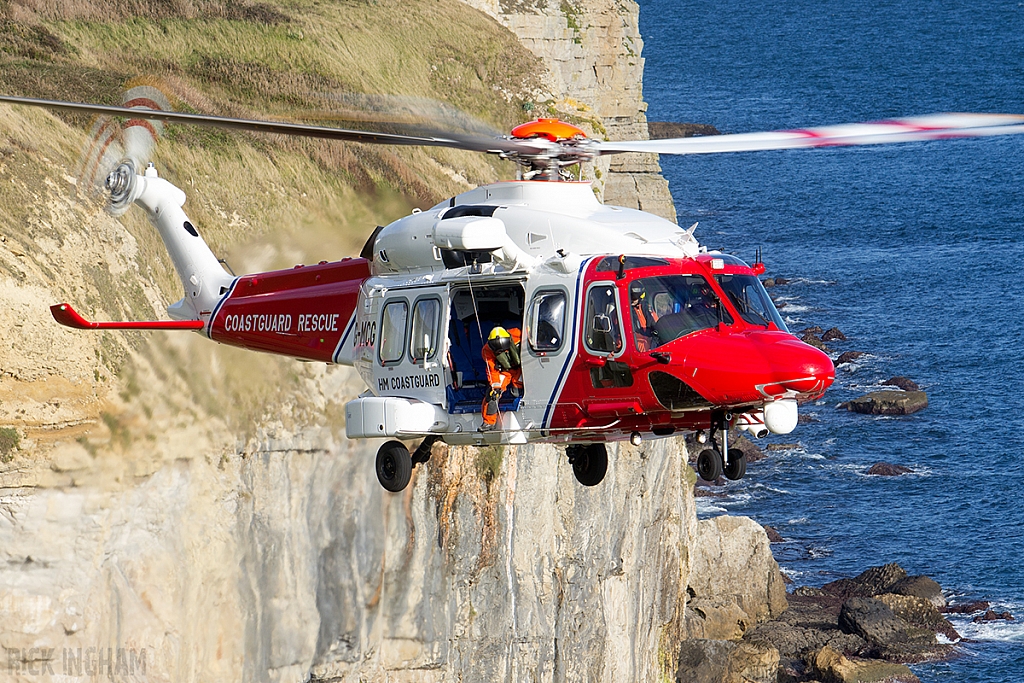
302	312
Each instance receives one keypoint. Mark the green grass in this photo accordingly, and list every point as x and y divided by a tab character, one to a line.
9	442
488	462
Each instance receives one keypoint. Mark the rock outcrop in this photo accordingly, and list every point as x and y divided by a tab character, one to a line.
859	629
735	583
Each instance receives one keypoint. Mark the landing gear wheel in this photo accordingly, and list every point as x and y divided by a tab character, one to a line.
394	466
709	464
737	465
589	463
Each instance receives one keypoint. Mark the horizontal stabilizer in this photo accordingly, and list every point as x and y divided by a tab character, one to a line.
65	315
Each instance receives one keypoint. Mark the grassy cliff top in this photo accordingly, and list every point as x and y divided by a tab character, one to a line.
262	201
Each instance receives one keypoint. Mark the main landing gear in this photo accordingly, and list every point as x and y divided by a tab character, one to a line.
589	462
711	465
395	463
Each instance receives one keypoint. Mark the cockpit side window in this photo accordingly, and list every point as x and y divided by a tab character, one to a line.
602	331
546	321
665	308
749	297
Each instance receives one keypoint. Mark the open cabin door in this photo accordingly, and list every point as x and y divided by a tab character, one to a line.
475	311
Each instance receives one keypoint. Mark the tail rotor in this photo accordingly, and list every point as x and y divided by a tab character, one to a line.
118	148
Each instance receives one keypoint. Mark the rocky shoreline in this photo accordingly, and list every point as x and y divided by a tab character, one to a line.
864	629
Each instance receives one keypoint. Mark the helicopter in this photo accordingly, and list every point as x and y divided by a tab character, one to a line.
630	328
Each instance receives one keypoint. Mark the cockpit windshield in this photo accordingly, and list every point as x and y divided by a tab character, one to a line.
749	297
670	306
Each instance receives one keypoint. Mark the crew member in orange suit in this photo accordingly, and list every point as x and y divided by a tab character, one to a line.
504	370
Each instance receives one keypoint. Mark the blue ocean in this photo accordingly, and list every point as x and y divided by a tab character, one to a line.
914	251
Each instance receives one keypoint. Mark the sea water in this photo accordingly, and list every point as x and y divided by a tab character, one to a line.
914	251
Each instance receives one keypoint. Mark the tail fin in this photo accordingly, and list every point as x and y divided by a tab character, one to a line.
202	277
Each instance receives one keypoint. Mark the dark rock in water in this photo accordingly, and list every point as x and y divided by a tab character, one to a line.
781	446
804	418
663	130
888	403
884	469
780	305
992	615
880	579
904	383
847	588
769	283
701	492
922	587
875	622
873	581
848	357
920	612
833	334
812	339
812	330
713	661
773	534
967	607
781	281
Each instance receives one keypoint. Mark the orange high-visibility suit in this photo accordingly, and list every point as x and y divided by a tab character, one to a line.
499	378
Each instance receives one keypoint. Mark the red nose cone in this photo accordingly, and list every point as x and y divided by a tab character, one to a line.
801	368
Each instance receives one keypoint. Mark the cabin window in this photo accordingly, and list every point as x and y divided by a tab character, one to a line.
392	332
603	333
546	321
749	297
423	339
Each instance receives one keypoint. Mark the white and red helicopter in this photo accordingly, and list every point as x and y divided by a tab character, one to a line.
630	328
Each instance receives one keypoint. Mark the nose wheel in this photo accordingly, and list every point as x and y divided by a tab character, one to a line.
710	463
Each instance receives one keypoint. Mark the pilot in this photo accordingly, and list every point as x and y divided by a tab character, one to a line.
504	370
702	305
644	317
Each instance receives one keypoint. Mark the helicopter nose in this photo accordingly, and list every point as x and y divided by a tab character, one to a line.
801	368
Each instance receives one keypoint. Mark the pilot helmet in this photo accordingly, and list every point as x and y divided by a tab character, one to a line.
637	293
499	339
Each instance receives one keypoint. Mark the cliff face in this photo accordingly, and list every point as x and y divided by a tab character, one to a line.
592	53
197	506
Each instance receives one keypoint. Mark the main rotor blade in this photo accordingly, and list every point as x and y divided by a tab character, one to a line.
476	144
931	127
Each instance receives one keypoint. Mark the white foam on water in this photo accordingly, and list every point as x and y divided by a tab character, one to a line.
1002	631
707	508
808	281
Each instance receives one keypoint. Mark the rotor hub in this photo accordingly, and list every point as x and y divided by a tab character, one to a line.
120	183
